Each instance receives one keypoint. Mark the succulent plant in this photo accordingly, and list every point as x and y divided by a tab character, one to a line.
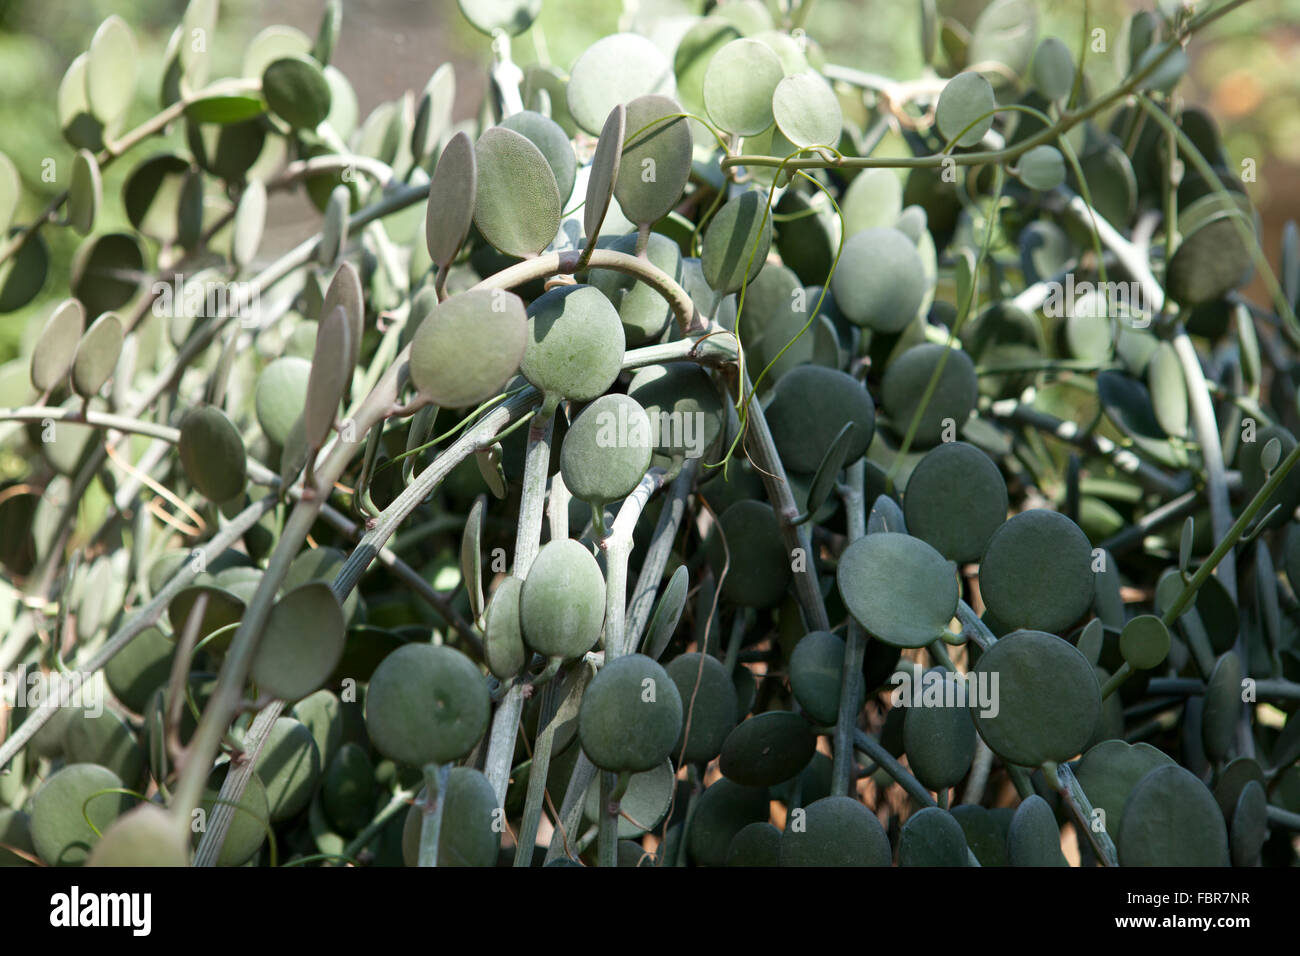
734	426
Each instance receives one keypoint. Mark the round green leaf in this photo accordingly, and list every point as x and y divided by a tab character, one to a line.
631	715
517	207
280	395
222	609
146	835
607	449
985	832
837	831
1168	390
1144	642
1034	838
1053	69
605	164
955	499
940	741
807	111
708	703
289	768
562	605
250	221
1048	698
301	642
153	195
107	271
111	69
722	810
645	801
97	354
810	405
552	141
739	84
426	704
1109	771
656	159
85	192
212	453
1211	260
736	243
468	347
966	99
223	110
247	830
271	44
880	282
348	789
345	291
468	836
1223	706
56	349
23	274
757	844
512	17
296	90
1171	819
615	69
816	673
60	833
79	125
1042	168
1004	33
105	740
759	565
321	714
503	640
575	343
899	588
932	837
452	191
667	614
142	665
1250	827
1037	572
767	749
906	380
11	190
695	51
330	373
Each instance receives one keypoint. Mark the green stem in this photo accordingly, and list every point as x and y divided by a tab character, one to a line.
855	645
435	782
796	537
617	546
607	840
399	801
656	557
1067	785
536	797
1225	545
876	751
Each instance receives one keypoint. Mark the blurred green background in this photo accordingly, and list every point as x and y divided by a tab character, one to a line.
1243	71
